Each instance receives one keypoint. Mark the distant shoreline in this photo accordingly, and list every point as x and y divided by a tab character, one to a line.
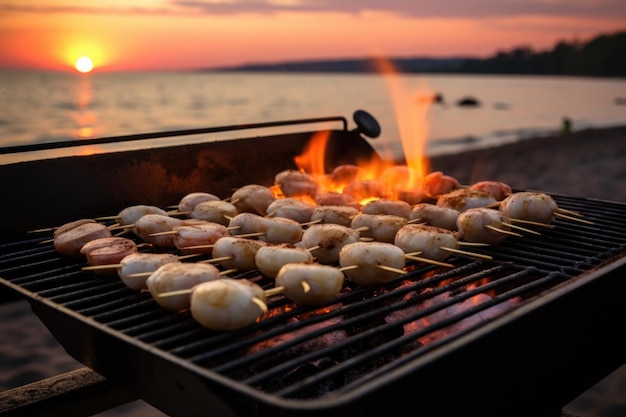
595	57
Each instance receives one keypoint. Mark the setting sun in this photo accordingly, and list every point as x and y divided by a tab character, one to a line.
84	64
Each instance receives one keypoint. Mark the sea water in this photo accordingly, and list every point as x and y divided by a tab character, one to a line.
40	106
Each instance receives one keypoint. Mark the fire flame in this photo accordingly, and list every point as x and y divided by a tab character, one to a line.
399	182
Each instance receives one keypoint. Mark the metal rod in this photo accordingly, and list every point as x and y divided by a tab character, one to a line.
164	134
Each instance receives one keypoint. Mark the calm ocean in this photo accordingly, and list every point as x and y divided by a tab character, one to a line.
52	106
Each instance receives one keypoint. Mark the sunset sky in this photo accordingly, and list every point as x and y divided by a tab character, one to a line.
170	34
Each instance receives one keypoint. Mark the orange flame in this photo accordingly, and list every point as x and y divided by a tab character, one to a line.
411	120
399	181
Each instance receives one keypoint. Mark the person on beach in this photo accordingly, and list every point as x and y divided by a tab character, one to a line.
567	126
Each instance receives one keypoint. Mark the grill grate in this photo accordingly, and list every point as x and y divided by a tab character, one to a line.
306	353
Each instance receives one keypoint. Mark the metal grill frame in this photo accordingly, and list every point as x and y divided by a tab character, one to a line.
562	327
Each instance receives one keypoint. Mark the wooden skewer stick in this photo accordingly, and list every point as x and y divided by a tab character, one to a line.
197	247
280	289
416	220
177	213
532	223
168	232
506	232
383	267
218	260
45	229
274	291
576	219
311	223
464	243
349	268
514	226
191	255
186	291
570	212
122	233
428	261
121	226
107	218
139	274
391	269
462	252
101	267
251	234
260	303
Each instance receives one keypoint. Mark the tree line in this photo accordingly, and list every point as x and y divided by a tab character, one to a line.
602	56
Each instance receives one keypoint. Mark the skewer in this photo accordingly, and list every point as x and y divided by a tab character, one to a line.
506	232
464	243
218	260
570	212
45	229
122	233
522	228
532	223
262	305
462	252
197	247
311	223
121	226
428	261
177	213
348	268
576	219
391	269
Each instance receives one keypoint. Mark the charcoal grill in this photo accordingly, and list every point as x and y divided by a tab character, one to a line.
521	334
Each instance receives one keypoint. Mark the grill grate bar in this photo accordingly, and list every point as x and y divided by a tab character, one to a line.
360	301
385	349
370	314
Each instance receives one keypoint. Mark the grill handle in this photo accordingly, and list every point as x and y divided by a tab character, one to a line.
171	133
366	124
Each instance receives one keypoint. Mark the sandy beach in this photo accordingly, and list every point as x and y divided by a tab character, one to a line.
589	163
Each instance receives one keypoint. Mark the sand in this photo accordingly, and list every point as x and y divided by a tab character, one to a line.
590	163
